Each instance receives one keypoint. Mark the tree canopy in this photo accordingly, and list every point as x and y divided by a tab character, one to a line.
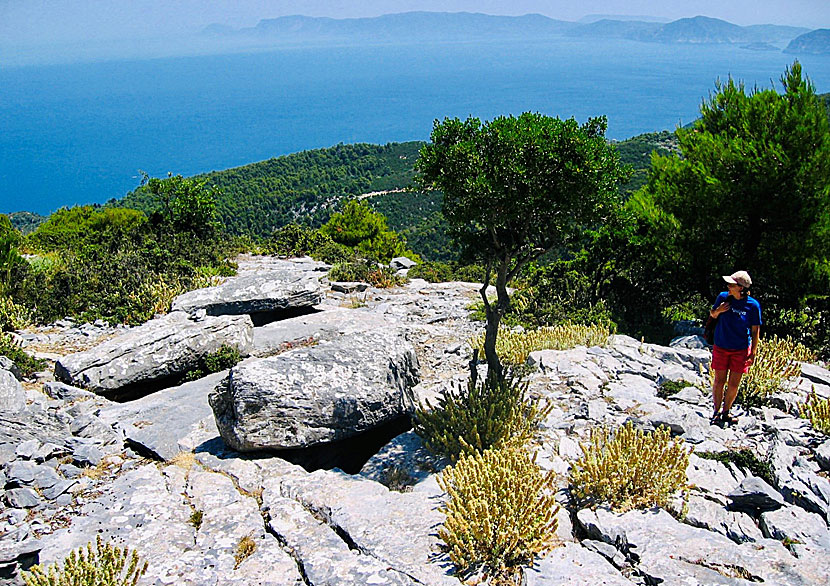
750	190
517	187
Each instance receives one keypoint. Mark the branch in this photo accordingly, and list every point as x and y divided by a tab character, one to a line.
486	283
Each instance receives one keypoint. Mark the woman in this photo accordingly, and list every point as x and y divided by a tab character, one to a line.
736	341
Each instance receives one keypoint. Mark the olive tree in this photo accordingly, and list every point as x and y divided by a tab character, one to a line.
516	188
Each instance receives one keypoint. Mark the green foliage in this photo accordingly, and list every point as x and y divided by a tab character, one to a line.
637	152
630	469
478	416
514	347
26	222
184	204
224	358
301	187
442	272
818	412
196	518
76	227
12	315
776	368
103	565
501	511
749	190
13	351
667	388
746	460
517	187
365	231
296	240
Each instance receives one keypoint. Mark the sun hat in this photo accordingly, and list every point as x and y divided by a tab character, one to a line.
742	278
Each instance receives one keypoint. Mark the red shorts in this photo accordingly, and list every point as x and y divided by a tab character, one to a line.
732	360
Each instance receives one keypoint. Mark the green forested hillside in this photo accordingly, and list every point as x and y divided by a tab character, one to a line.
302	187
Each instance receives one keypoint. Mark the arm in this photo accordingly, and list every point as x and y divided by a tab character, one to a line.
716	311
755	331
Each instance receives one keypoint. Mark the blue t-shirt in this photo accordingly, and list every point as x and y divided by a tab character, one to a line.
732	331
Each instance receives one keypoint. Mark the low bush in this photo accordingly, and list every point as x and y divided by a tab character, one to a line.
103	565
477	416
224	358
500	512
744	459
442	272
818	412
629	468
295	240
12	315
514	347
14	351
776	368
667	388
365	271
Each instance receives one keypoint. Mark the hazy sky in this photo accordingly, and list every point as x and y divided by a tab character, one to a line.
30	22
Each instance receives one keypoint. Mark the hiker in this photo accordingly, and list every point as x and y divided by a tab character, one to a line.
736	341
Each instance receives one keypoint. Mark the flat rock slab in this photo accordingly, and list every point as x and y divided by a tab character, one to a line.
157	424
573	565
160	349
12	395
267	292
317	394
671	552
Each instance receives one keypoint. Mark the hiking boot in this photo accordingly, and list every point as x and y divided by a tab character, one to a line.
728	419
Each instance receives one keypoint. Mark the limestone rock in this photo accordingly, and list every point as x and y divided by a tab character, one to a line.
823	455
267	292
7	363
797	525
402	262
753	494
574	565
317	394
12	395
160	349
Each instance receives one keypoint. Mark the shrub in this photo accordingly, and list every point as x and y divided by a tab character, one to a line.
479	416
334	253
433	272
514	347
12	315
296	240
244	549
500	511
776	368
105	565
744	459
668	388
629	469
224	358
365	271
14	352
818	412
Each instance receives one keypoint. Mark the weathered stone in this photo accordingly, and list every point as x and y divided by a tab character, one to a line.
753	494
156	424
22	498
64	392
317	394
47	451
26	450
21	473
796	525
268	292
706	514
402	262
160	349
87	454
815	373
823	455
348	286
674	553
403	461
12	395
574	565
7	363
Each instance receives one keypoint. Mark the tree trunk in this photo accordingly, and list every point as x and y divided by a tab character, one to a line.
495	312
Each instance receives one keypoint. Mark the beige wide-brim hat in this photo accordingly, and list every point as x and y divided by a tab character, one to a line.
742	278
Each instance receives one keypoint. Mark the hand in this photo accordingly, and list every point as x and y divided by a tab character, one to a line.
750	358
722	307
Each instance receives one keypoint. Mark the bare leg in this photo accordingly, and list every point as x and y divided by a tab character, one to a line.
717	389
732	389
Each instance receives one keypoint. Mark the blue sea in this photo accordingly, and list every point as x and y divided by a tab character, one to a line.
74	134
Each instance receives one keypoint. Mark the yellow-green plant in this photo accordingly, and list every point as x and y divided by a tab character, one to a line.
776	368
818	412
103	565
13	316
244	549
500	510
629	468
514	347
478	416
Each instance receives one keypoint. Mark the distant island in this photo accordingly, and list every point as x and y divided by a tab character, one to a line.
446	26
816	42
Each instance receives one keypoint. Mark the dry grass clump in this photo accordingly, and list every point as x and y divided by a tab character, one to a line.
104	565
818	412
244	549
776	368
479	416
500	512
514	347
630	469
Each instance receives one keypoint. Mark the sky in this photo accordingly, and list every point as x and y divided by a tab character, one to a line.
42	22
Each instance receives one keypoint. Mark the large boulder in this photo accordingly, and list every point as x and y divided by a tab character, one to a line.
316	394
12	395
273	291
160	350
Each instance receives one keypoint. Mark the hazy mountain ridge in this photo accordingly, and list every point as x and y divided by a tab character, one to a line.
817	42
466	25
